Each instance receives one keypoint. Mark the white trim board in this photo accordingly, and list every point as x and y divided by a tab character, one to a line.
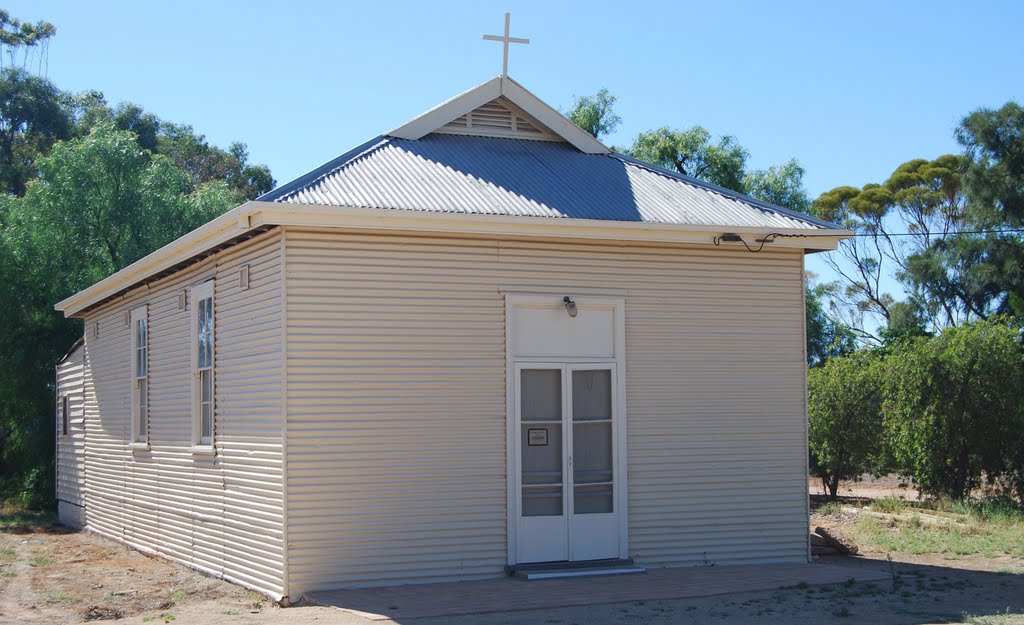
466	102
251	215
512	364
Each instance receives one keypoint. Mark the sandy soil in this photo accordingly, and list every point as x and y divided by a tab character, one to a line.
870	487
50	575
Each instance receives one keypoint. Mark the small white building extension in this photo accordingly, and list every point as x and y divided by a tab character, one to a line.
478	341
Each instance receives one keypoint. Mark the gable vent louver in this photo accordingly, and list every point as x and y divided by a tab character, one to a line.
494	119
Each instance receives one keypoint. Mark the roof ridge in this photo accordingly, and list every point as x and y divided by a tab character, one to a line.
736	195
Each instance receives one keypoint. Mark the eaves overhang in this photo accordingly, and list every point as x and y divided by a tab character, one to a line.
257	216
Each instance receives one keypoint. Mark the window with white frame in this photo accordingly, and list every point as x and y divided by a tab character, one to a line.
202	365
140	375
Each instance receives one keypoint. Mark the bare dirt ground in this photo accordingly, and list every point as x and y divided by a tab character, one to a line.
870	488
51	575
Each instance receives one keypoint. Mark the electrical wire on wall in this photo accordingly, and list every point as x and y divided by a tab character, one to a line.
730	237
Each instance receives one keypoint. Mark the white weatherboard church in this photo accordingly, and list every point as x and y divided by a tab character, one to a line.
475	343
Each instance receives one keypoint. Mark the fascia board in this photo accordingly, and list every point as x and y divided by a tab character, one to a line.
551	118
256	214
224	228
503	226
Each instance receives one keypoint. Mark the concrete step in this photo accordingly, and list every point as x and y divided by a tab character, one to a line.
578	571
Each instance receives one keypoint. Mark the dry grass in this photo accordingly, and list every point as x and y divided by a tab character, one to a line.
987	528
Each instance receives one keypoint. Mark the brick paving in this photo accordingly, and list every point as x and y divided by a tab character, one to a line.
514	594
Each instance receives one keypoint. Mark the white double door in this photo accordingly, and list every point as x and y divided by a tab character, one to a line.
566	479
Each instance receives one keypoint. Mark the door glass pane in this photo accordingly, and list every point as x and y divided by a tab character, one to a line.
591	395
542	501
542	395
541	443
592	445
542	453
594	499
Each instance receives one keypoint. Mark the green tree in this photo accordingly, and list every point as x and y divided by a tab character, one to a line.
694	153
953	406
942	266
595	114
25	37
110	201
964	259
826	337
101	203
994	142
203	163
844	419
782	186
32	117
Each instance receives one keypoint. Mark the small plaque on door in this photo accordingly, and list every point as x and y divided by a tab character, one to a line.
537	437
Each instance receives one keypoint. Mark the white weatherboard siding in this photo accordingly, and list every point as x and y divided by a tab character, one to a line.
396	401
219	513
71	447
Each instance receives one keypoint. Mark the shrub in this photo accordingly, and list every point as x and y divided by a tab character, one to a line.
891	505
953	406
845	423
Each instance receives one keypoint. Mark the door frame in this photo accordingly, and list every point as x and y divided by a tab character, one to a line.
618	307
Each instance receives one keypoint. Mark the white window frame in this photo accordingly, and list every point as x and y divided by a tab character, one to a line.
201	443
139	383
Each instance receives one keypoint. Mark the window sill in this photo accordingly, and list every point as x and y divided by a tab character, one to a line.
203	450
139	446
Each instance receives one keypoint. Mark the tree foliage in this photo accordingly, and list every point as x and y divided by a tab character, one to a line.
994	143
781	185
88	188
101	202
953	406
191	152
25	37
595	114
844	418
946	411
964	257
826	337
695	153
33	117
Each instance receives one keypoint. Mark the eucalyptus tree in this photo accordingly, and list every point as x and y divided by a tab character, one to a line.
695	153
595	114
30	40
33	116
100	203
913	229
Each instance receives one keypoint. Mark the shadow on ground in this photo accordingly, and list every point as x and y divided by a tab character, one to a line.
897	593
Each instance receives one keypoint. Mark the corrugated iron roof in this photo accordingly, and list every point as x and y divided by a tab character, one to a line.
486	175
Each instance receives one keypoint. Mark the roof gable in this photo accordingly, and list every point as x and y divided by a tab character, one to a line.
499	118
511	95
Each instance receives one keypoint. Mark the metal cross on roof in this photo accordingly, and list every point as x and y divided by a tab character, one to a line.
505	40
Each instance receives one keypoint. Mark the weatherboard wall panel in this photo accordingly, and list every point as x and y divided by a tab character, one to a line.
70	447
396	401
220	513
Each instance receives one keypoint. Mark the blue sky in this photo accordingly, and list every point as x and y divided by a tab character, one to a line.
851	90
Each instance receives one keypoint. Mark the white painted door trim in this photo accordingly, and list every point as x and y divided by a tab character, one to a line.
618	305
